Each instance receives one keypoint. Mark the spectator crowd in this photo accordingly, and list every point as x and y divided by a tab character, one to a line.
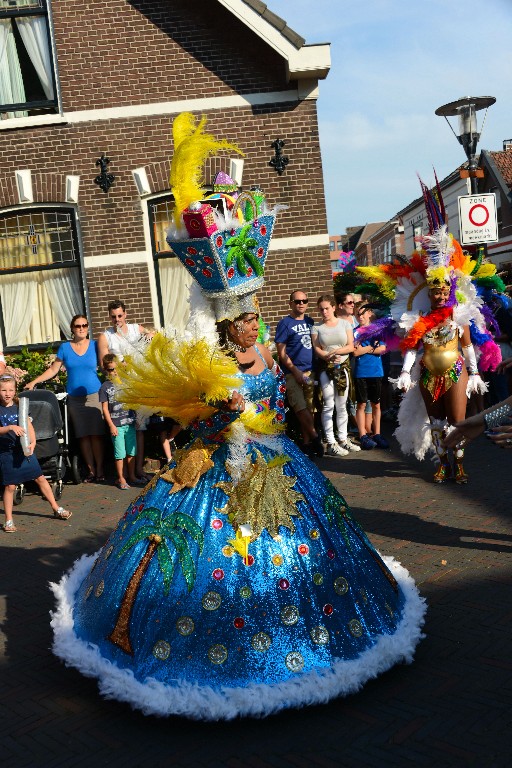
338	388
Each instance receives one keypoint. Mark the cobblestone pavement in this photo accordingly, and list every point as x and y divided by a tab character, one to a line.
451	707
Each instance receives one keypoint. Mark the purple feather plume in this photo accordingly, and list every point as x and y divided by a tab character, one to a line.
452	300
490	320
383	330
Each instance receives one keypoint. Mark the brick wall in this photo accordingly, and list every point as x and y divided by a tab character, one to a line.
112	53
130	283
286	271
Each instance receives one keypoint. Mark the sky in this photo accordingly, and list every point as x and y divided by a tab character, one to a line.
393	62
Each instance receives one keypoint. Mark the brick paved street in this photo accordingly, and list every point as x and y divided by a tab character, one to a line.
451	707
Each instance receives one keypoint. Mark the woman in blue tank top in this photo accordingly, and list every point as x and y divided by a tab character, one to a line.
80	359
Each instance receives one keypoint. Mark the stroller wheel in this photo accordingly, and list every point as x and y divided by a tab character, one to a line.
76	470
57	489
19	495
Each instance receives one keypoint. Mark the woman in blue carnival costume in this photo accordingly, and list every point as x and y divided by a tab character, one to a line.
237	583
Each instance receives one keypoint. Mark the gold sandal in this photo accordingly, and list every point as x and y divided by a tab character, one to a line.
9	526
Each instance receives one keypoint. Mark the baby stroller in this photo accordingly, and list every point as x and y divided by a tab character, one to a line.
51	449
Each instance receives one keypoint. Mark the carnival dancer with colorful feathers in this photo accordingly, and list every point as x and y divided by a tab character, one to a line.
434	306
237	582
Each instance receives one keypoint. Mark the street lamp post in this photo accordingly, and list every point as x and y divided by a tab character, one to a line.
468	135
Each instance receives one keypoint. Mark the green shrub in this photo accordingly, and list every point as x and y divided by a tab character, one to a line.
26	365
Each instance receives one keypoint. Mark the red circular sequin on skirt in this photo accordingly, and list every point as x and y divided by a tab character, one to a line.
192	250
206	272
217	524
249	560
328	609
219	241
218	574
239	623
208	260
303	549
331	554
190	262
249	271
230	273
284	584
260	252
263	230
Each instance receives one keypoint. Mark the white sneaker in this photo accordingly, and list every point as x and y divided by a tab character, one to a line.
333	449
348	445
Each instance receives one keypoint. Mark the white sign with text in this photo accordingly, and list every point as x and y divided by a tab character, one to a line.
478	219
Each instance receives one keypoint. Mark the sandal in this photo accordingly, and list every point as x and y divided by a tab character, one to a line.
89	479
62	514
9	526
123	486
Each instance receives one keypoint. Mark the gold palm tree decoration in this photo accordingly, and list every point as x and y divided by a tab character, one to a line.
263	498
160	532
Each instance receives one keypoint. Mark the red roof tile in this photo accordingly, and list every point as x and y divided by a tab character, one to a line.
503	161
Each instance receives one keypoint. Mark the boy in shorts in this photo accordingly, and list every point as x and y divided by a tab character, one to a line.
368	376
121	424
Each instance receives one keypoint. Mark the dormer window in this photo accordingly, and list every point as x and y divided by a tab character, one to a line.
27	76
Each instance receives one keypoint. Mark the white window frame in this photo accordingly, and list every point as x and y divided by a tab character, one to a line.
76	264
48	117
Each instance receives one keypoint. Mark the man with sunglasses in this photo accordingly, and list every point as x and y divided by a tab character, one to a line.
295	351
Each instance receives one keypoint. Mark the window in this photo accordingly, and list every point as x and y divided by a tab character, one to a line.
173	280
27	81
417	232
339	245
40	279
331	245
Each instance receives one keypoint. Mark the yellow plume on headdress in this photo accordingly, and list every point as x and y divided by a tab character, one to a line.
375	275
192	146
438	276
178	379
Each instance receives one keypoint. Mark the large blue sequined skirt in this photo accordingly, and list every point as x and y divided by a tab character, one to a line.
311	613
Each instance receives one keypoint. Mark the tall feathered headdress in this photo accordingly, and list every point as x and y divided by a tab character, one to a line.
403	286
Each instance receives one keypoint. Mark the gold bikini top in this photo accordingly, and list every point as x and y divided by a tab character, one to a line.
440	349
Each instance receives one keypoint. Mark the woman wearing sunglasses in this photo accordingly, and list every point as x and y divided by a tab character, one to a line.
80	358
345	309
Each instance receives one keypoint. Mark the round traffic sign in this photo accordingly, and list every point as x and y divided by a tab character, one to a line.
478	215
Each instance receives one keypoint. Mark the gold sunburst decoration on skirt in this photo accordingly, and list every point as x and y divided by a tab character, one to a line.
263	499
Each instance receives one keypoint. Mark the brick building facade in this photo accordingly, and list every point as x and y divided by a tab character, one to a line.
117	73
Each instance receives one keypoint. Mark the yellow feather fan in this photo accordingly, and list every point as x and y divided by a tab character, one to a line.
180	379
192	146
